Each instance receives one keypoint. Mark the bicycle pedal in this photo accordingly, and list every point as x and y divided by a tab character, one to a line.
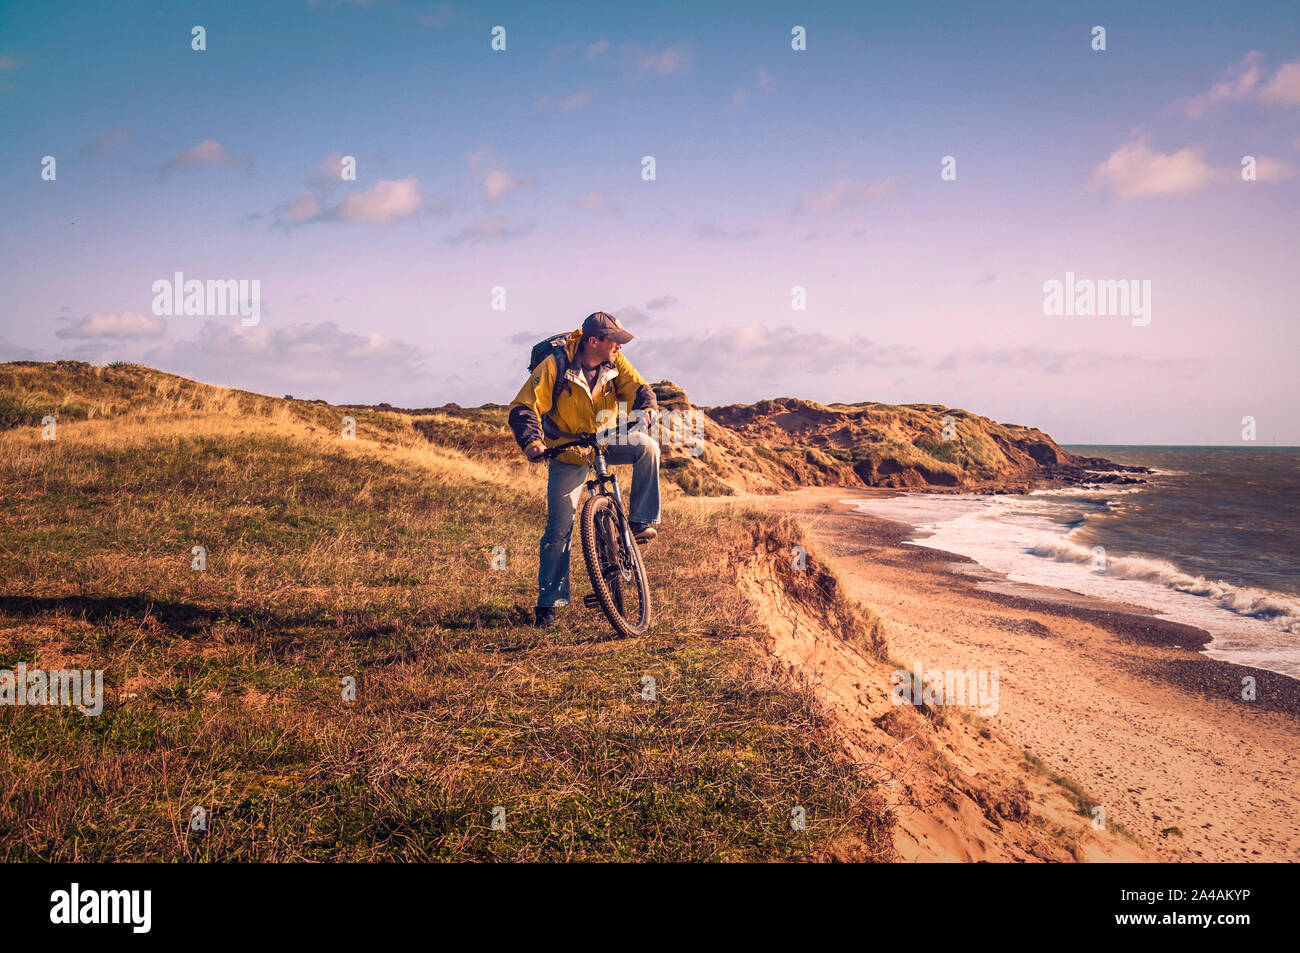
591	600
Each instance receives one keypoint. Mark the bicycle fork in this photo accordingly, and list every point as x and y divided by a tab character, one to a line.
604	476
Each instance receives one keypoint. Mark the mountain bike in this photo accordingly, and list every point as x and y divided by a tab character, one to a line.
618	580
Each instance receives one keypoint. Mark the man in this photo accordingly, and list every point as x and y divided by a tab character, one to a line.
596	378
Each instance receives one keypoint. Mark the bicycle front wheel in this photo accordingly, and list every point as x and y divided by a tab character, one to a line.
617	575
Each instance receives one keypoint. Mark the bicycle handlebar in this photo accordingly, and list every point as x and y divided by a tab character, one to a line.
587	440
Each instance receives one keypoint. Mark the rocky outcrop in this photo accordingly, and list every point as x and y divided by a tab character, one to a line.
787	442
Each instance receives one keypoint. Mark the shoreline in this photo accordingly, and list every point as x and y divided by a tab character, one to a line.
1106	693
1138	622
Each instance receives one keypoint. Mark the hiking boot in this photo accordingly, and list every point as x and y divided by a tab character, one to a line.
643	532
544	617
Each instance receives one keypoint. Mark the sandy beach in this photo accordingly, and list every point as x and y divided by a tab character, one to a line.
1119	701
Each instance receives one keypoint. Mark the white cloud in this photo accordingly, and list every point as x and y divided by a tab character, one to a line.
493	229
709	231
1284	87
298	211
1239	80
121	326
382	204
674	60
658	304
385	203
209	152
318	357
1272	170
1244	79
438	18
497	183
595	202
1135	170
107	144
328	172
847	193
758	354
487	169
596	49
763	81
579	99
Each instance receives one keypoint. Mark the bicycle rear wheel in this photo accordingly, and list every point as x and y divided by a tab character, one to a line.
618	577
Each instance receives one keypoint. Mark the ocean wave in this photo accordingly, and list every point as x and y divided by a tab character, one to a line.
1242	600
1105	489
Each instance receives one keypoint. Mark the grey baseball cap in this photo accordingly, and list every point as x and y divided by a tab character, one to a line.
604	325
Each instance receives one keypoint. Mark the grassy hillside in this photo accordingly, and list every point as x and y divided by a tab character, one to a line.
370	558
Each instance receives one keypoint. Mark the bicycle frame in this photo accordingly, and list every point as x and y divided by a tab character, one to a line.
604	480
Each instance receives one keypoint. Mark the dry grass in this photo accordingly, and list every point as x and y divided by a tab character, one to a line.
369	558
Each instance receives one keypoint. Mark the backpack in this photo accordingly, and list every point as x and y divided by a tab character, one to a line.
552	346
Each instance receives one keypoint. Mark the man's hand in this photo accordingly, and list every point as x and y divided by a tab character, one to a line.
535	453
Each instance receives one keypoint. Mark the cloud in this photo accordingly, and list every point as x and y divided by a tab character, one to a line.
298	211
761	354
123	326
659	304
490	230
9	351
1239	80
1135	170
383	204
497	183
1272	170
288	359
525	338
1284	87
487	169
209	152
593	50
632	317
709	231
1048	361
107	144
674	60
438	18
847	193
1243	80
595	202
328	172
579	99
763	81
9	63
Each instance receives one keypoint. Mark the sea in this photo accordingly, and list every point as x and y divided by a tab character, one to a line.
1211	539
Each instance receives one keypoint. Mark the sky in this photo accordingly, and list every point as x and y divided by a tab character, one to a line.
500	196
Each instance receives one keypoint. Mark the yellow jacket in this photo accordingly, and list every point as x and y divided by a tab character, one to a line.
578	407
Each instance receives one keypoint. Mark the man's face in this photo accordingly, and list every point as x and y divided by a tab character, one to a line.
603	349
